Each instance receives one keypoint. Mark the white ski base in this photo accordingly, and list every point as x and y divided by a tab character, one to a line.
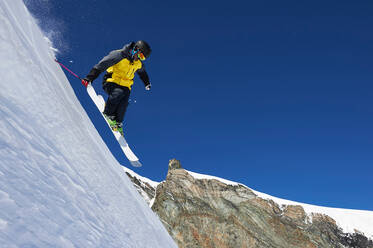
100	103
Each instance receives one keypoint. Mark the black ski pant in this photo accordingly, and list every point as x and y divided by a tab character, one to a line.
117	102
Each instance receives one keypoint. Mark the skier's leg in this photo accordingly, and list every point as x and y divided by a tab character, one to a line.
122	106
116	93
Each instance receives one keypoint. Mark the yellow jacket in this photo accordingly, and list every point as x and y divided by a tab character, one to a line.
123	72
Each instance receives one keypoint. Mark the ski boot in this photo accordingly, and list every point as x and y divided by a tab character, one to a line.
112	123
119	128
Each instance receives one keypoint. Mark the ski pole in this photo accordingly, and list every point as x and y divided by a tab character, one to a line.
84	82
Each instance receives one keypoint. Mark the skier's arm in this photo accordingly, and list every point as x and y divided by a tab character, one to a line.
109	60
144	77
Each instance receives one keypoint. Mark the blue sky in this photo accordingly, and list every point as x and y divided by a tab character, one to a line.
277	96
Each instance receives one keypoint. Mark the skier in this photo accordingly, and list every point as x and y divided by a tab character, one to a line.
120	66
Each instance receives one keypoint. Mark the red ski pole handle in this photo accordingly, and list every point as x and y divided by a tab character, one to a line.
85	82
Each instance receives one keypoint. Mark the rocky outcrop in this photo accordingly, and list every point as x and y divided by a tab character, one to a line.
210	213
145	189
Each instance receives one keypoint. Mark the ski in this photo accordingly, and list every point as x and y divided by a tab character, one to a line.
100	104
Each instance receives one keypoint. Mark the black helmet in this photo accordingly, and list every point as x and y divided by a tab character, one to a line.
144	47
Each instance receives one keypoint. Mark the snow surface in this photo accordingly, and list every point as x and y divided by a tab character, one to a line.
348	219
59	184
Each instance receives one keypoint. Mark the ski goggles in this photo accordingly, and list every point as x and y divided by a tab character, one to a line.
139	54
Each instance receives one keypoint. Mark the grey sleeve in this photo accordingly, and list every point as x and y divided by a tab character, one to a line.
143	75
109	60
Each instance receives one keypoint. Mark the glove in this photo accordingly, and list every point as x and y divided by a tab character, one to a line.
147	87
92	75
86	81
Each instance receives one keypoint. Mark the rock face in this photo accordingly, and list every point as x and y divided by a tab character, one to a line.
210	213
146	190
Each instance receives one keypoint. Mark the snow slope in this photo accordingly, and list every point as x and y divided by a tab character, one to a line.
59	184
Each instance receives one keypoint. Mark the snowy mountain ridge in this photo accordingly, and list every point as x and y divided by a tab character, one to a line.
60	186
349	220
206	211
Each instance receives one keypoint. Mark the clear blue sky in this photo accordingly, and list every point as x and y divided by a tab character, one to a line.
277	95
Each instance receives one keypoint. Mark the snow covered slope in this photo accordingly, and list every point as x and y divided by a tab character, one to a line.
59	184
